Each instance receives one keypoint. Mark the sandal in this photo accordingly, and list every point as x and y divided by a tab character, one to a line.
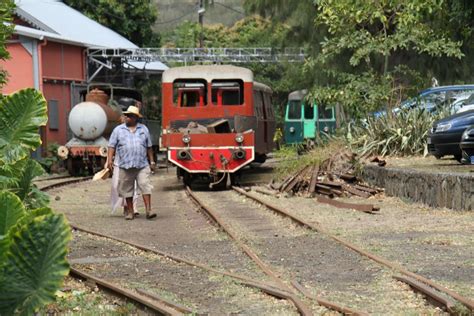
129	217
150	215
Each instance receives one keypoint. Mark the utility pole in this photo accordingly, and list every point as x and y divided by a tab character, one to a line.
201	11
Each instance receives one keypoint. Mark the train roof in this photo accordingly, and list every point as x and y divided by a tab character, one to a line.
297	95
208	73
263	87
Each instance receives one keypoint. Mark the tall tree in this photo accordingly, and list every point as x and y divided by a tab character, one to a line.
6	13
133	19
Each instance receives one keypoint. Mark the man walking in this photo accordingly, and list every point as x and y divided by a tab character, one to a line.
131	142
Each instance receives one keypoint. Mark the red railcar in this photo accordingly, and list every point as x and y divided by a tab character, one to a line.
215	121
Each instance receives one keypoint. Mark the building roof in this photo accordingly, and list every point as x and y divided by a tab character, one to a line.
56	21
56	17
40	35
208	73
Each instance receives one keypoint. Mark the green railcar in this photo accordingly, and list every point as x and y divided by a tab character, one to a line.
306	120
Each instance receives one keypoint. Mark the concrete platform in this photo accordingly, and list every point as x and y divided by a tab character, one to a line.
432	186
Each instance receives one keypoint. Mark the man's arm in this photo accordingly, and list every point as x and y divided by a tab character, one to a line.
110	158
113	140
149	151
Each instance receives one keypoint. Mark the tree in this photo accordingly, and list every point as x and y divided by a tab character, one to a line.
134	19
6	13
252	31
370	54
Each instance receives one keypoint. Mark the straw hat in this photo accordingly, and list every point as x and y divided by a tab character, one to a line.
133	110
102	174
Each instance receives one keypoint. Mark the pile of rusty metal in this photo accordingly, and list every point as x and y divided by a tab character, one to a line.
332	178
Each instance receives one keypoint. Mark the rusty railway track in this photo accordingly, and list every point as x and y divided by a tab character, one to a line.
279	290
295	288
62	182
427	285
150	302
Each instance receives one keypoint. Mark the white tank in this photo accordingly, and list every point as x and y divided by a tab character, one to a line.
87	120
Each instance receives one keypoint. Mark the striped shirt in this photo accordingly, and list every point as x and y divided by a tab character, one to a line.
131	148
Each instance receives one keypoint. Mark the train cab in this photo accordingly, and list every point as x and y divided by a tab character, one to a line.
215	120
306	120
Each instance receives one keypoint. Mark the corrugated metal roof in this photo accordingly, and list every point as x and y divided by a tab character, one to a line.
58	22
56	17
40	35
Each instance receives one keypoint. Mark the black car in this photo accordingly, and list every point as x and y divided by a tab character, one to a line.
445	135
467	145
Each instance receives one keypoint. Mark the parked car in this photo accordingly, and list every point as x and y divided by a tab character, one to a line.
434	99
464	105
445	135
467	145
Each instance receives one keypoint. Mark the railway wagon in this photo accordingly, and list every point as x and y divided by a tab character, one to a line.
91	122
306	120
216	119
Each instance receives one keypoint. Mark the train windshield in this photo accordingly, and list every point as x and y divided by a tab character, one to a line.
227	92
294	110
189	93
326	113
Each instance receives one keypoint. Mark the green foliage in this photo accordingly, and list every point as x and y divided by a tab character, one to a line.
367	43
21	114
35	264
134	19
403	134
6	13
33	240
253	31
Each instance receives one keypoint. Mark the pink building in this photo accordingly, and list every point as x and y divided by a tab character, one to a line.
48	52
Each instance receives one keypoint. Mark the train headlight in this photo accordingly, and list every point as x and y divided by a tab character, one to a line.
239	138
292	129
186	138
326	129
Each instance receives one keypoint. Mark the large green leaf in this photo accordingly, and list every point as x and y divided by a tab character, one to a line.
21	114
36	262
11	210
26	191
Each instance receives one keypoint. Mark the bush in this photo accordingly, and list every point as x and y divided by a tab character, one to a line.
403	134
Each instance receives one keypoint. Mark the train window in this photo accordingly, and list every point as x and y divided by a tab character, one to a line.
227	92
294	110
189	93
308	112
268	105
258	104
326	113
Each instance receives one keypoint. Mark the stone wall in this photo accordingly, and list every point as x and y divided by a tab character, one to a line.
451	190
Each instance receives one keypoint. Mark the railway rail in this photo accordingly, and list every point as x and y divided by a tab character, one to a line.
289	290
267	268
149	302
428	292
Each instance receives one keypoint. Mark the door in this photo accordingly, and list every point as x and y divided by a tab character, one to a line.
309	119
